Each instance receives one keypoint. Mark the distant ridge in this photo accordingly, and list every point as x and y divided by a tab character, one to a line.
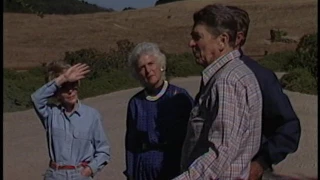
53	7
165	1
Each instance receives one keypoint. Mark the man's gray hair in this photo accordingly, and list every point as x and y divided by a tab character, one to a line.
219	19
243	21
146	48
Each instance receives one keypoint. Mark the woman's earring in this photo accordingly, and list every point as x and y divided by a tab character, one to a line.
162	69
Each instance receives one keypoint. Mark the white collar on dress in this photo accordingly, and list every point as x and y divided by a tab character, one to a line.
160	94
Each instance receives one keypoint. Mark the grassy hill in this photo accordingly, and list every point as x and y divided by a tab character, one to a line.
30	40
52	6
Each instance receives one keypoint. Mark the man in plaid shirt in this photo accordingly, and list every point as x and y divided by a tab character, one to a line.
224	129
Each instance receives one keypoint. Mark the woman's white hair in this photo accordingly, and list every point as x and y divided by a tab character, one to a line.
146	48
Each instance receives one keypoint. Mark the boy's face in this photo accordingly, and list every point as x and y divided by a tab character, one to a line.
68	93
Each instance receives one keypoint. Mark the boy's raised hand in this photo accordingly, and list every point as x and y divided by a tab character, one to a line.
73	74
76	72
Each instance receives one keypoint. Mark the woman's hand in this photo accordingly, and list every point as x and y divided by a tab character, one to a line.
76	72
73	74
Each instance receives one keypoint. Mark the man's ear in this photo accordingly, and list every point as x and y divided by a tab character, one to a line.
223	41
239	39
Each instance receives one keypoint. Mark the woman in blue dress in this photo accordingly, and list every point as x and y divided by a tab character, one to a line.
157	118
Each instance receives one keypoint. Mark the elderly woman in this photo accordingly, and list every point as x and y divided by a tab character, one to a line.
157	118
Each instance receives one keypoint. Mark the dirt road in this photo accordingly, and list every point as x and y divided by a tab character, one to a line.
25	150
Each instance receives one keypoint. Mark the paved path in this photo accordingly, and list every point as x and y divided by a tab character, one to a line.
25	150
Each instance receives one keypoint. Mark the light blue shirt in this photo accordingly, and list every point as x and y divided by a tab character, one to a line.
72	138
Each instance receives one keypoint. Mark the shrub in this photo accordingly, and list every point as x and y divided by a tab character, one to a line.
108	73
304	76
18	87
118	57
95	59
277	35
307	54
182	65
278	61
101	62
106	83
300	80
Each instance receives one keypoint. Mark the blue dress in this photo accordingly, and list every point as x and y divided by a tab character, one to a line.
160	125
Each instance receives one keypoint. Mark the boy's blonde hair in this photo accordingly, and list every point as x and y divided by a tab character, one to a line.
55	68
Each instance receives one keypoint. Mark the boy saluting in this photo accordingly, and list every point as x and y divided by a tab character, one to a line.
77	144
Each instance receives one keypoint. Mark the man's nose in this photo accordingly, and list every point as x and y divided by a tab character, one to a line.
192	43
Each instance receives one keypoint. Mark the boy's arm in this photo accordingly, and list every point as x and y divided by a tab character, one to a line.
101	147
40	98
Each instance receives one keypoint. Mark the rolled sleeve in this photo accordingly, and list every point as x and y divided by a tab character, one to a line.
40	99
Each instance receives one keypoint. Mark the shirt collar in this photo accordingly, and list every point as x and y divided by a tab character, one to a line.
209	71
78	108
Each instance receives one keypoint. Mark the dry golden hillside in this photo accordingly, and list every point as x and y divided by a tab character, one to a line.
30	40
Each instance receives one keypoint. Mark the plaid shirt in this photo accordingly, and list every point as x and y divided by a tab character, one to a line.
224	129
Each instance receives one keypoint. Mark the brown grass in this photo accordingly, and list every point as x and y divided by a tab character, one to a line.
30	40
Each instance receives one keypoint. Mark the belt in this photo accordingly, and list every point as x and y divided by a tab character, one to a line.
55	166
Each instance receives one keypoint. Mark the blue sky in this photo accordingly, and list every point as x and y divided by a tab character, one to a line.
120	4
